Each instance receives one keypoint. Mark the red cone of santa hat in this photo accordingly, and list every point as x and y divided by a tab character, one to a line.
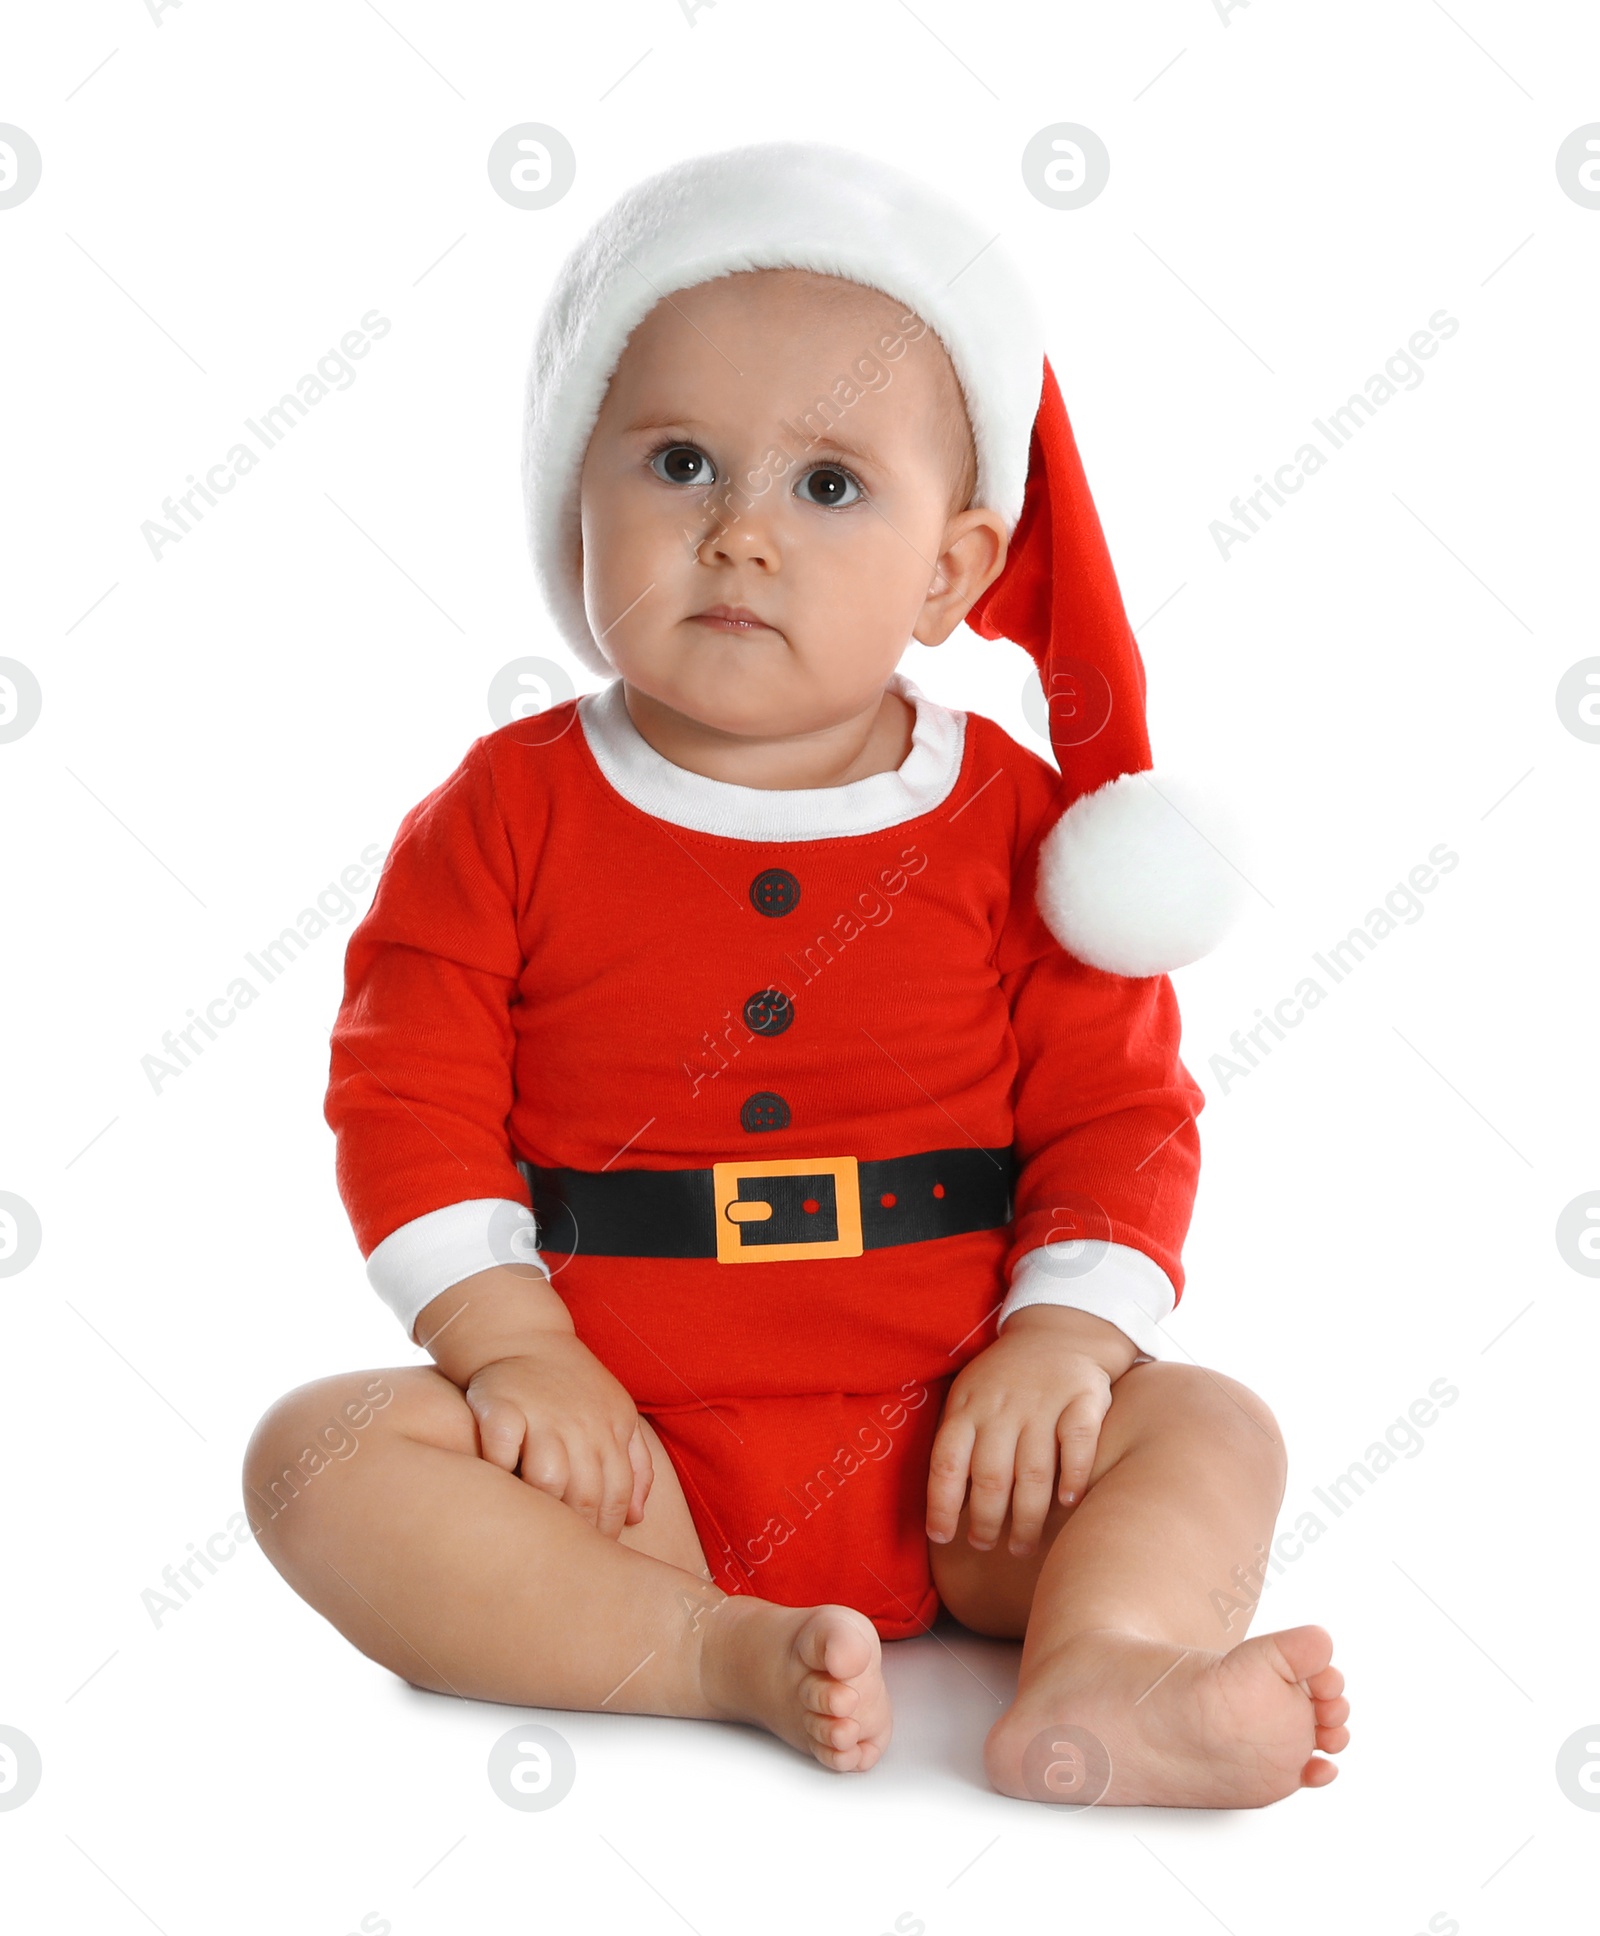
1126	882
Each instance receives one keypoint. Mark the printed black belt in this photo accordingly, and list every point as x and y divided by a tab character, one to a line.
761	1212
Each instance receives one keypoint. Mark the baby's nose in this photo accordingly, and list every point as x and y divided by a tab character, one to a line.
740	540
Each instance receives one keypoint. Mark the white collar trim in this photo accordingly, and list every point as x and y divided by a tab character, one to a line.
653	783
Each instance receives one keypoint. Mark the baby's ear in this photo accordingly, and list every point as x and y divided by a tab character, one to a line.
973	556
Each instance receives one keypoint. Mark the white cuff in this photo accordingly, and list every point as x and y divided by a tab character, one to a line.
426	1256
1112	1281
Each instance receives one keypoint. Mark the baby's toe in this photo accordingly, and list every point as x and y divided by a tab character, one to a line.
832	1731
848	1760
841	1761
822	1694
839	1642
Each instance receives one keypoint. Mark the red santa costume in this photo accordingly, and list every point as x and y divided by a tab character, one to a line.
795	1095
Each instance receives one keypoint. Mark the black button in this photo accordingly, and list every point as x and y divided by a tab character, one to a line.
774	891
769	1012
763	1110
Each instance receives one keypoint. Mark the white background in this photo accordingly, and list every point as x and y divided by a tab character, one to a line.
1294	190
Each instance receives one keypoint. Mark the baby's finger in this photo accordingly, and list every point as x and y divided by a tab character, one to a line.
644	1474
617	1483
586	1481
544	1463
994	1465
947	1477
502	1429
1036	1471
1078	1433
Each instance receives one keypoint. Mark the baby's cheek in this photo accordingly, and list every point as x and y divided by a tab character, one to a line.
630	564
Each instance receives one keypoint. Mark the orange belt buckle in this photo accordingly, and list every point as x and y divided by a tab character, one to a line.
732	1210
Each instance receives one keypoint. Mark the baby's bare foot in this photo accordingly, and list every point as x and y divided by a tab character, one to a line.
1173	1729
813	1676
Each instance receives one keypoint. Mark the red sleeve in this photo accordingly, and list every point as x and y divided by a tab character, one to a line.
1104	1110
420	1071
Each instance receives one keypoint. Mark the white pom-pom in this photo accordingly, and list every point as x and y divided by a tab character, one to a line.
1130	883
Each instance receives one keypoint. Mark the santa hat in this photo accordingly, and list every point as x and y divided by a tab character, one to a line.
1126	882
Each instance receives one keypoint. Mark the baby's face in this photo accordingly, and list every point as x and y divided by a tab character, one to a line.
702	487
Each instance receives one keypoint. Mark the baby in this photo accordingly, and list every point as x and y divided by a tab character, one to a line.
733	971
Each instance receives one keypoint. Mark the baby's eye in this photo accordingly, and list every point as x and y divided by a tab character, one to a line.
831	485
682	464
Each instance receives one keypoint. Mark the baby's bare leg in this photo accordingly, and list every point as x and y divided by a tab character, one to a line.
465	1579
1134	1616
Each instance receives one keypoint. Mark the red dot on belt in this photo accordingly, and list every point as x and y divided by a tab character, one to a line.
811	1205
938	1189
887	1199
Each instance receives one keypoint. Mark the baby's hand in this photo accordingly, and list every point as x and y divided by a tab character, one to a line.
561	1421
1038	1394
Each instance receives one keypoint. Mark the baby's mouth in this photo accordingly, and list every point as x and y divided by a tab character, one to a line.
731	618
